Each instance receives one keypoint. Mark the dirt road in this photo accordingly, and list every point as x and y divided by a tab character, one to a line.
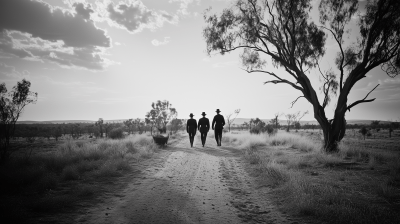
189	185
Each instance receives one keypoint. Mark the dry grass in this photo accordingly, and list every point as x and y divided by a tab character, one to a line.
38	182
360	184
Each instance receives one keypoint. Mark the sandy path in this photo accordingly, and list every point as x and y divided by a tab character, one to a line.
188	185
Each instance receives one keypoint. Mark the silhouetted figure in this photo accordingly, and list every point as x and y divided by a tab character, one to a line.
191	128
204	127
219	123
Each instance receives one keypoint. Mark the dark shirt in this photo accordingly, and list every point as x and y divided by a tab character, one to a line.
218	121
204	124
191	125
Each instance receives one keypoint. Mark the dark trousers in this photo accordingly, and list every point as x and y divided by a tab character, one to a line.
203	137
191	137
218	136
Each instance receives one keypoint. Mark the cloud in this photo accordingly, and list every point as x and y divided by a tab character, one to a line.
37	31
158	43
83	11
134	16
10	73
389	84
184	5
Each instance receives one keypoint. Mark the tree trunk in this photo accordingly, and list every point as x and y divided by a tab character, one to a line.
333	130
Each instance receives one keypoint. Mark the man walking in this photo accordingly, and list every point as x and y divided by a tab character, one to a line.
204	127
191	128
219	123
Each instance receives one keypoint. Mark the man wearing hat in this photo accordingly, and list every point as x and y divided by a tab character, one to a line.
217	125
191	128
204	127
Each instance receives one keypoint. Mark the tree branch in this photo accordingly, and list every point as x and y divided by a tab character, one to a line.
280	80
294	101
363	100
342	60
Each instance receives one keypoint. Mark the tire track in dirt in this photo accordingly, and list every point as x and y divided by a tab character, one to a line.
188	185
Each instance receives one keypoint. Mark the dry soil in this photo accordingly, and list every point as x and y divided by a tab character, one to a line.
184	184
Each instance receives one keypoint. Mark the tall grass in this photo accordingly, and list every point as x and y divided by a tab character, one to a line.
311	182
40	174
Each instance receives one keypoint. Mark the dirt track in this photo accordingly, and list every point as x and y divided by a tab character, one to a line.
189	185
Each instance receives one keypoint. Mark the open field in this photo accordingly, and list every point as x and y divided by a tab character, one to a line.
360	184
284	178
48	177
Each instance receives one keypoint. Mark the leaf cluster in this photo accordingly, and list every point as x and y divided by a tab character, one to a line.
13	102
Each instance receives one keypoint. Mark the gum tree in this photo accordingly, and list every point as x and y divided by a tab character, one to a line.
12	105
282	31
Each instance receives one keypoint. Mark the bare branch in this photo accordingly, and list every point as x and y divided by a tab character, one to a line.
363	100
294	101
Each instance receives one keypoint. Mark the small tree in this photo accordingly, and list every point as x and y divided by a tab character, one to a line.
297	125
107	128
230	118
161	114
363	131
56	132
150	120
129	124
12	105
275	122
294	118
100	123
258	126
176	124
270	130
390	132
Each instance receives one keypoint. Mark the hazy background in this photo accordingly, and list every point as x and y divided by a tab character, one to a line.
112	59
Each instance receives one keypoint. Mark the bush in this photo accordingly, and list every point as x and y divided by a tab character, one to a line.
257	130
270	130
363	131
116	133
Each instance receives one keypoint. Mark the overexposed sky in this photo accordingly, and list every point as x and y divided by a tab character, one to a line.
91	59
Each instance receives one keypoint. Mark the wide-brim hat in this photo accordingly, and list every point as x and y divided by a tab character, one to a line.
204	114
217	111
191	115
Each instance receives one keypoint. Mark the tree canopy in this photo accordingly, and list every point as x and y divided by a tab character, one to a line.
282	31
12	105
161	114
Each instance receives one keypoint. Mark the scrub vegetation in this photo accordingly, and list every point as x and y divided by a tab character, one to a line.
360	184
54	178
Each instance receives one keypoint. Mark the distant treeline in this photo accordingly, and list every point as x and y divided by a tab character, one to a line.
259	124
77	130
91	130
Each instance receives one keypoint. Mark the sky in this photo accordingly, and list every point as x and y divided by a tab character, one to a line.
90	59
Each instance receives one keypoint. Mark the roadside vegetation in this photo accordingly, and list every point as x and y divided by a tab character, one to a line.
54	179
360	184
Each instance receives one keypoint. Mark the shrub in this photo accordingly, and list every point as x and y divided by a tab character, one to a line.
116	133
270	130
257	130
363	131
